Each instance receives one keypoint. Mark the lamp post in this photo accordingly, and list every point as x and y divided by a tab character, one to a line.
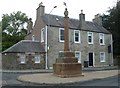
49	15
46	43
52	9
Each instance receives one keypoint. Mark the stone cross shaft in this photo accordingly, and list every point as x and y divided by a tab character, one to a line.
66	32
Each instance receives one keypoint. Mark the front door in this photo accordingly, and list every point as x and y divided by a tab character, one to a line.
90	59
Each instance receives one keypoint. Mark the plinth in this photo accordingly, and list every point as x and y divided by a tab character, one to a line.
67	65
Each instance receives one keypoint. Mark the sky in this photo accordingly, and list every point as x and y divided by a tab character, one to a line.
89	7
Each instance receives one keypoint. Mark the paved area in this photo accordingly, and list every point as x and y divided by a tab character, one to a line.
49	78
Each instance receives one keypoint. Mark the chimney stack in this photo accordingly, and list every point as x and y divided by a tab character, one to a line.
82	20
40	10
29	26
98	19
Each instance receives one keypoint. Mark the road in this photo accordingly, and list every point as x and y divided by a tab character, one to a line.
111	81
10	79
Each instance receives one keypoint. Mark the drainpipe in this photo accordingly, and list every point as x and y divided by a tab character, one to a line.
112	50
46	50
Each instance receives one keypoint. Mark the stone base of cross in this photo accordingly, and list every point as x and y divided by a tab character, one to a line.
67	65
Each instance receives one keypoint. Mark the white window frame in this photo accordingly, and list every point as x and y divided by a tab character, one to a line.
60	35
42	35
77	31
102	58
37	58
101	36
22	58
88	34
79	58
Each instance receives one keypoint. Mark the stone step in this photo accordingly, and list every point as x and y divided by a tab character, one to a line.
67	69
67	60
67	54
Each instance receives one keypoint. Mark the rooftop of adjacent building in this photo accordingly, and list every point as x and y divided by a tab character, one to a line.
26	46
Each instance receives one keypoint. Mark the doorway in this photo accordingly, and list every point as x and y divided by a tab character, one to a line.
91	56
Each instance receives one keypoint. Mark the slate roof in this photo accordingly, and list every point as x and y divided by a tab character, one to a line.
58	21
26	46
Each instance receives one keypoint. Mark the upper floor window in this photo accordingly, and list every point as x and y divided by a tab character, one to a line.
37	58
76	36
61	34
42	35
90	37
101	38
22	58
102	56
78	55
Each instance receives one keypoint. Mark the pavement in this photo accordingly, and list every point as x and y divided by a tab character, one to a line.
51	79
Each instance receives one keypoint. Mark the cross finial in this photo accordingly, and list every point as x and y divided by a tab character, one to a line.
81	11
66	12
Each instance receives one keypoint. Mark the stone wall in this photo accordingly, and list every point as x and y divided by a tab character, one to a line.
11	61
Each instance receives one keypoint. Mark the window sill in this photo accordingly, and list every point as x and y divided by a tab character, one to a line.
61	41
79	62
37	62
22	63
42	41
77	42
102	44
102	61
90	43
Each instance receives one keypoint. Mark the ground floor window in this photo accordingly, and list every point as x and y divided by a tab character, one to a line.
102	56
37	58
22	58
78	55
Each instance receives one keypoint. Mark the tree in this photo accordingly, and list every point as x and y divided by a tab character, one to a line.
13	28
112	23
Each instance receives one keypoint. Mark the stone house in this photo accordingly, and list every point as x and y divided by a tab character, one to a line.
91	42
26	54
